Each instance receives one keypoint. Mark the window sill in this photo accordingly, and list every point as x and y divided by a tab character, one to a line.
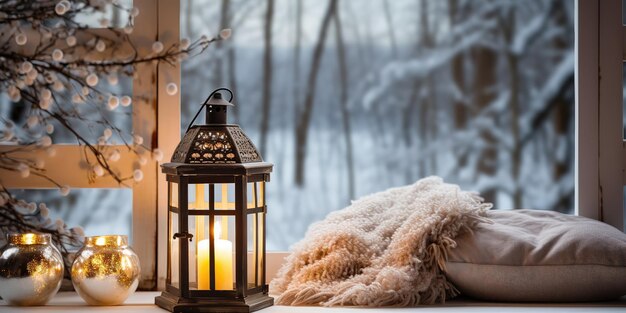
143	302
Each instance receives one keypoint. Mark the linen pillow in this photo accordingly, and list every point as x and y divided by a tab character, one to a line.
539	256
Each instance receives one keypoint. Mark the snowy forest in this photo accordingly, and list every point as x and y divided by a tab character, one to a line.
350	97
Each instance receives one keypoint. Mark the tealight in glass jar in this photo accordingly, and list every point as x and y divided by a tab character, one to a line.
106	270
31	269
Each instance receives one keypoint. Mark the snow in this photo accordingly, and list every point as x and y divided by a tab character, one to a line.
388	146
528	33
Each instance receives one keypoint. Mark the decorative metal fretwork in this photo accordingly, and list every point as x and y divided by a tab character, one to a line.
180	154
212	147
215	145
247	150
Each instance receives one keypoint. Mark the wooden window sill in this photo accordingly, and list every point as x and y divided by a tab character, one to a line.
143	302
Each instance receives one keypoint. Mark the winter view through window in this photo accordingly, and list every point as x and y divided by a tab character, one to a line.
348	97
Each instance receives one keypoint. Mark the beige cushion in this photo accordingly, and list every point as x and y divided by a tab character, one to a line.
528	255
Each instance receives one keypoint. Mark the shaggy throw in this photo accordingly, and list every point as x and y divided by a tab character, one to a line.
385	249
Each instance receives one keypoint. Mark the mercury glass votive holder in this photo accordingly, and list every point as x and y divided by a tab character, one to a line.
31	269
106	270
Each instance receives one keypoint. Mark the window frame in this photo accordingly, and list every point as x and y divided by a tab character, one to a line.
600	152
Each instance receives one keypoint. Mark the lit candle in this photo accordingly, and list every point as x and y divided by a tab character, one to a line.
223	263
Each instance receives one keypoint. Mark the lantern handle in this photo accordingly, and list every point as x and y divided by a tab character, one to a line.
205	103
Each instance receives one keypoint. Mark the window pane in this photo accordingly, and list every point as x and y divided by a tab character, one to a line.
97	211
404	90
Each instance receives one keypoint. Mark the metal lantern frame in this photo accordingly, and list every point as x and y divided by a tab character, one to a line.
197	161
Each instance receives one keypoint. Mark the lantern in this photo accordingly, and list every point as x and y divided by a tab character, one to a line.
216	218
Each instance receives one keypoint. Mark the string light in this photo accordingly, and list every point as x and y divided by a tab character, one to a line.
62	7
51	152
101	46
171	89
32	121
184	43
26	67
45	141
114	156
46	94
225	33
21	39
98	170
126	101
138	140
138	175
134	12
92	79
113	102
157	155
24	170
107	133
157	47
64	190
57	55
71	41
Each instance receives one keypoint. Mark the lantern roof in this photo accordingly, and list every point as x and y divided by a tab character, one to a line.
216	143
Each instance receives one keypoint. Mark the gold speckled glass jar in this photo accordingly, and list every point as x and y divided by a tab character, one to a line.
106	270
31	269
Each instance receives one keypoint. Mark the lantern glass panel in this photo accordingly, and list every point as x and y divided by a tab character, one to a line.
201	195
253	256
261	193
200	255
261	247
173	251
255	249
198	196
224	196
256	195
250	193
173	196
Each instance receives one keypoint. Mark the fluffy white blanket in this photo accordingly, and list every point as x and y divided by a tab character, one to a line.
385	249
